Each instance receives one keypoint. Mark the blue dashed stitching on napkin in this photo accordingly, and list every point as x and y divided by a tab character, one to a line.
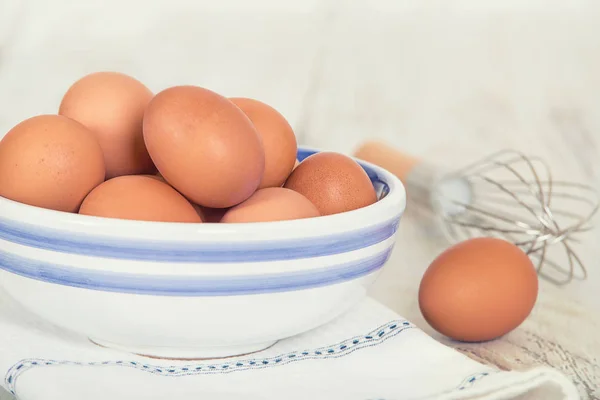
470	381
341	349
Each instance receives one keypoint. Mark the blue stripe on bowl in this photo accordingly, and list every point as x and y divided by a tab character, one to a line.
216	252
381	187
171	251
166	285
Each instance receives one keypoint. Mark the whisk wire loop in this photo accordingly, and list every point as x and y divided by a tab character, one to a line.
515	197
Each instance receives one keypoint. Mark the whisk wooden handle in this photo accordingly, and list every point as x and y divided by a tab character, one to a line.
385	156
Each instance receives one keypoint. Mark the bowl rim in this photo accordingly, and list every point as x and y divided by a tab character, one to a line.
58	220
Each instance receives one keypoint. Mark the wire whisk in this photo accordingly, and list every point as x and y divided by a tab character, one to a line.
507	195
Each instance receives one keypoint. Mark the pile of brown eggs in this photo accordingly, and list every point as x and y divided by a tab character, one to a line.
186	154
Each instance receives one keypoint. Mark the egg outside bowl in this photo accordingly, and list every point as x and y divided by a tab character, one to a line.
188	291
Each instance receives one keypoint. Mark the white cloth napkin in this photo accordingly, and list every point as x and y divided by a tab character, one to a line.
370	353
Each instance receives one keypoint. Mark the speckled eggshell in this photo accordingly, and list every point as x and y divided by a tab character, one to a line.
333	182
50	161
112	105
272	204
139	197
478	290
279	140
204	146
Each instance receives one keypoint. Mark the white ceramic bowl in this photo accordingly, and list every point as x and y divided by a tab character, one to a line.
195	290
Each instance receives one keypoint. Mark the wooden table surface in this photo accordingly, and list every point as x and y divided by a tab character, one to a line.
446	81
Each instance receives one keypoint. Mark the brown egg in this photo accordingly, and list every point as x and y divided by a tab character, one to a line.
333	182
112	105
296	164
199	210
204	146
272	204
138	197
206	214
50	161
478	290
278	140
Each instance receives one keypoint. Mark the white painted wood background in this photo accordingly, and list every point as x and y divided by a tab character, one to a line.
445	80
